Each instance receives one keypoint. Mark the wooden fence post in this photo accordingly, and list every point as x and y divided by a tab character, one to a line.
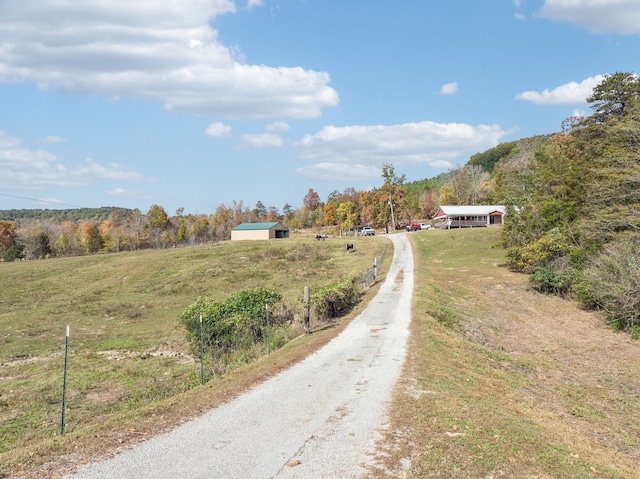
307	296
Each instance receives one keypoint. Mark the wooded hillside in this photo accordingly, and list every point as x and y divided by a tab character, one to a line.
574	217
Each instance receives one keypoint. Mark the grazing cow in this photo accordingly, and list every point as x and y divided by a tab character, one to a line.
349	247
321	237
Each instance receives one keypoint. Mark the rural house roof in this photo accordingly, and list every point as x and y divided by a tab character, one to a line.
477	210
256	226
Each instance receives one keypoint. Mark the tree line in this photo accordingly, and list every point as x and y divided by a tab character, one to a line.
42	233
35	234
574	205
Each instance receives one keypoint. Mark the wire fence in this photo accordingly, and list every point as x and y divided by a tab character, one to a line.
369	275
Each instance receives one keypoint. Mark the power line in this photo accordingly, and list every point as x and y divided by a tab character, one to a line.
41	201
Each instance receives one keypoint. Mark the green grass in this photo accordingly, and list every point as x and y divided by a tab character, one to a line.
127	348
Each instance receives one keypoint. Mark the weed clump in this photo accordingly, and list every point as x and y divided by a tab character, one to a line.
232	329
336	299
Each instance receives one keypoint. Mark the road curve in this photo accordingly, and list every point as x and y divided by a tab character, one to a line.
319	419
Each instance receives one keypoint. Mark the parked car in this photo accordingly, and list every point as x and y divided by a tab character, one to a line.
368	231
413	227
425	226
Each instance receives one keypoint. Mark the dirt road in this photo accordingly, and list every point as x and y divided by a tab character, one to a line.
318	419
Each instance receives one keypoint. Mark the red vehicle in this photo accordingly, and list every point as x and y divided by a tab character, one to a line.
413	227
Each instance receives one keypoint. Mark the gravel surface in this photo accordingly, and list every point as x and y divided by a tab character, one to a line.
319	419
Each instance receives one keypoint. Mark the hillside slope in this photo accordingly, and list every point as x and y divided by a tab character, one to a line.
502	381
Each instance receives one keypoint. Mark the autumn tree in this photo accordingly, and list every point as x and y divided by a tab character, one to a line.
89	237
428	206
329	213
36	245
346	216
222	222
200	228
311	200
67	242
135	226
272	214
389	176
157	221
105	229
240	213
392	196
7	235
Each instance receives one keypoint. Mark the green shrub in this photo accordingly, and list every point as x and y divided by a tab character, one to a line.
611	283
13	253
335	299
232	328
553	278
534	255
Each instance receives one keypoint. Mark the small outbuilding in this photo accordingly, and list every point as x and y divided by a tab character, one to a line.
259	231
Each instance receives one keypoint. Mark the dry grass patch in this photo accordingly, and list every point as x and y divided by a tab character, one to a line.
519	385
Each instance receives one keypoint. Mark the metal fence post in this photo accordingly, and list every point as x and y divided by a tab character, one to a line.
307	296
201	352
64	381
268	331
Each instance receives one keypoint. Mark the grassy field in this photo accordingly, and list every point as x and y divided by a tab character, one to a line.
129	361
501	381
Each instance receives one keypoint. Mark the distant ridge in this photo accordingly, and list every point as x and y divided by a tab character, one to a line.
59	216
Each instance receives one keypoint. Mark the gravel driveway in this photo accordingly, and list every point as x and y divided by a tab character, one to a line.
318	419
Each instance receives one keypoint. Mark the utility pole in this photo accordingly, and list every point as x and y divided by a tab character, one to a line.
393	221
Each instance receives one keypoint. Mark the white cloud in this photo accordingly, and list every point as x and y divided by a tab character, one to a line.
518	15
254	3
579	113
218	130
163	51
262	140
449	88
338	171
55	139
440	164
426	142
25	168
116	192
568	94
277	126
600	16
112	171
130	194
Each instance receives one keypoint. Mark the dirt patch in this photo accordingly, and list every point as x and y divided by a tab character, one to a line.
21	361
115	355
105	391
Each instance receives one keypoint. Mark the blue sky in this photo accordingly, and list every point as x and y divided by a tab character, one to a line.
193	103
